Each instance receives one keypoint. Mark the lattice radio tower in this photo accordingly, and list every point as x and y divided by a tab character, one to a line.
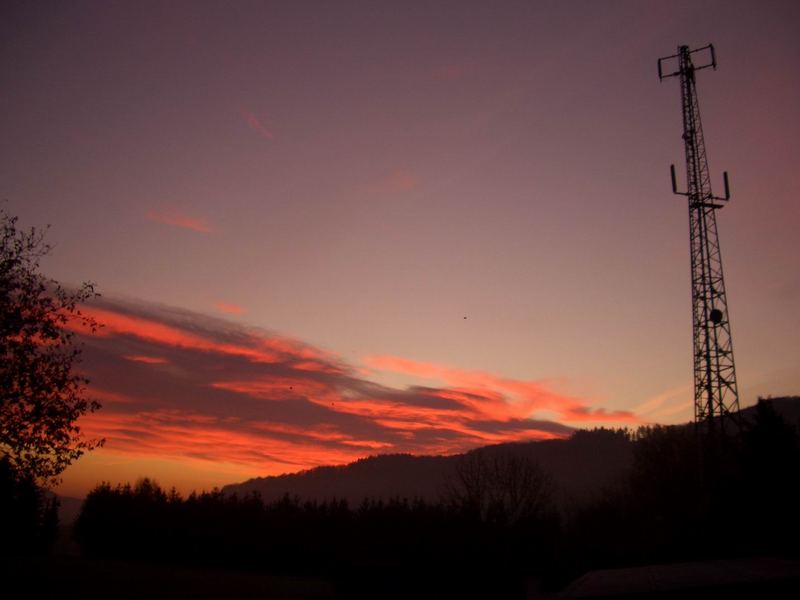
716	396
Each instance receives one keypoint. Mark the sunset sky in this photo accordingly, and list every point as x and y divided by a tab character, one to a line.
324	230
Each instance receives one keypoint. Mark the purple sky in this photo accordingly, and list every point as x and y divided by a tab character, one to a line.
362	176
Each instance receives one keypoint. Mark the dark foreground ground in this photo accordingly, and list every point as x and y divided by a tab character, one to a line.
762	578
74	577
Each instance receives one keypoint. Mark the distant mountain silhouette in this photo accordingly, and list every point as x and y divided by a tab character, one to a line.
787	407
383	476
580	466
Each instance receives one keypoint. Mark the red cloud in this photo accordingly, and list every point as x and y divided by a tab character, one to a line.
177	219
148	360
106	396
254	123
278	388
267	350
175	434
399	180
498	397
231	309
247	397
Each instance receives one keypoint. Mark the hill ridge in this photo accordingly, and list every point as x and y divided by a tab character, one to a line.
580	465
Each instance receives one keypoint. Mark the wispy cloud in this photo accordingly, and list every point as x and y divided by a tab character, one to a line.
511	398
397	181
148	360
668	404
182	385
256	124
231	309
179	219
453	71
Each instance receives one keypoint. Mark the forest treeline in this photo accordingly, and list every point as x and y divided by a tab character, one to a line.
686	497
475	530
28	514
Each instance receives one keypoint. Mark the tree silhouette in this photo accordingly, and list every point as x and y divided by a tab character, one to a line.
771	478
501	487
41	395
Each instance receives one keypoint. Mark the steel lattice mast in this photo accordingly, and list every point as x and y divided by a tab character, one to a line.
716	396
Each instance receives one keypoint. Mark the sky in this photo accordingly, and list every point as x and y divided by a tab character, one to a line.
324	230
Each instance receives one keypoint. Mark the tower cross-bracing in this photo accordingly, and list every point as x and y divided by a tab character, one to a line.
716	396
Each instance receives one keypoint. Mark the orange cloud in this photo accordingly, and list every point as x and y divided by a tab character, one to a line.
497	397
268	350
231	309
173	434
106	396
177	219
272	404
399	180
116	323
148	360
254	123
402	180
277	388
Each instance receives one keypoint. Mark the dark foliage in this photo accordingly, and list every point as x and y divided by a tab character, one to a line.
28	516
41	395
690	497
685	497
387	540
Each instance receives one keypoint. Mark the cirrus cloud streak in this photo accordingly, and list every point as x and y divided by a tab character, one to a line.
179	219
